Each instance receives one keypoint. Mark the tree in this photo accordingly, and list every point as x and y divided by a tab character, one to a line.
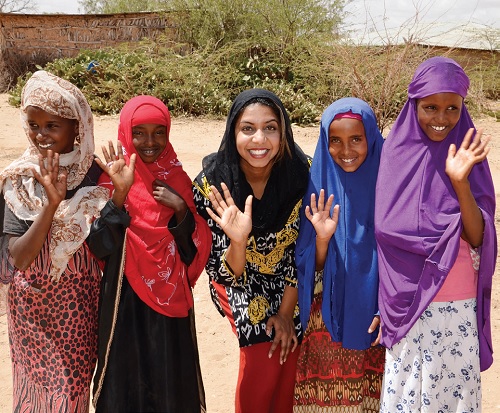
219	22
17	6
118	6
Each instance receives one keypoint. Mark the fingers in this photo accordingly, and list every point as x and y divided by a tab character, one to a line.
467	139
218	202
248	205
274	346
214	216
132	162
335	215
452	151
112	152
377	340
374	324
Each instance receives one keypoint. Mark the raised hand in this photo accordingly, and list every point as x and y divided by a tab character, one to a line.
459	162
236	225
51	179
121	174
319	215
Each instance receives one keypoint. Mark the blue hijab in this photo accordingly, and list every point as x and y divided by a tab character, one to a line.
350	277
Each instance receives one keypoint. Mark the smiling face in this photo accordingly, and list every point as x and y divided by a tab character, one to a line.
258	134
438	114
49	131
149	139
347	145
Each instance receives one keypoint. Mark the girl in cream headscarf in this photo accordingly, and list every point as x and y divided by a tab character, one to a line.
51	198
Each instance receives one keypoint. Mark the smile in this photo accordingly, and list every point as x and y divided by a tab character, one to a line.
349	160
438	128
46	146
258	152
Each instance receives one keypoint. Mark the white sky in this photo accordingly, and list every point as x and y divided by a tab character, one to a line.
393	12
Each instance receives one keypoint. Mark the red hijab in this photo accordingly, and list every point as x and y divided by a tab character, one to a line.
153	266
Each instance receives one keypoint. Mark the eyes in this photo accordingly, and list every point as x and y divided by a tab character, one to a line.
250	129
140	133
354	139
429	108
50	126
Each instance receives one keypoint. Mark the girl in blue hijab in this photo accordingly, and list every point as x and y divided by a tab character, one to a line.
340	362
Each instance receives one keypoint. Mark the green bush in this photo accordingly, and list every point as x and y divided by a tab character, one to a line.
306	74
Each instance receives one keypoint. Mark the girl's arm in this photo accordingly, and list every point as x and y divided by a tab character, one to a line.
458	167
324	224
25	249
235	224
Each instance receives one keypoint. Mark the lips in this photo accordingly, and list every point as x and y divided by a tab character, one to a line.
348	160
45	145
258	153
438	128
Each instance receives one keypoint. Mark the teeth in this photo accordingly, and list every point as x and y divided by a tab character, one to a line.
48	145
439	128
258	152
348	160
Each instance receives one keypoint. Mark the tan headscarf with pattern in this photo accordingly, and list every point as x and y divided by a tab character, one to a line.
25	196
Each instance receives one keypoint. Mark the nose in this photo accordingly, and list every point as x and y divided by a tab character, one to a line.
149	139
345	149
259	136
441	116
39	136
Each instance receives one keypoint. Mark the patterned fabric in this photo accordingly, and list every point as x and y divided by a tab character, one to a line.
250	300
52	334
25	196
435	367
331	378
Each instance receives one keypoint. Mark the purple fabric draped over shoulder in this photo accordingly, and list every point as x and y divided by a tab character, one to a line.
417	215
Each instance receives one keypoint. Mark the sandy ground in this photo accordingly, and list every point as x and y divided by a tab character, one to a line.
193	139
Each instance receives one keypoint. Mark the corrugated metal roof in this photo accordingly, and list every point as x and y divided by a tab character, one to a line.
465	36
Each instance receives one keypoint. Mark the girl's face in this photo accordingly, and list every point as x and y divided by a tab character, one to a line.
258	134
438	114
348	146
49	131
149	139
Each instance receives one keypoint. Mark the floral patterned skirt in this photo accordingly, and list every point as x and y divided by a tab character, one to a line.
435	367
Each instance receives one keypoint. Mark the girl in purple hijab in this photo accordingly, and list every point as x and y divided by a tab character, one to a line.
434	225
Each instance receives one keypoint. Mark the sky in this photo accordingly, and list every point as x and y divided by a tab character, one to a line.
376	13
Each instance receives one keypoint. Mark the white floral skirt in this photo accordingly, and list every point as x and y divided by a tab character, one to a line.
435	367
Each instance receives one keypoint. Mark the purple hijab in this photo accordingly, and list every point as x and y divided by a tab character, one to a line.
417	215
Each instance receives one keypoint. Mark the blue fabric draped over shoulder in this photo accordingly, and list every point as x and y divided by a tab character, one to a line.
350	277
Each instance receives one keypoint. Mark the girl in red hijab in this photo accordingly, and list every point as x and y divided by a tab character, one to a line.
155	246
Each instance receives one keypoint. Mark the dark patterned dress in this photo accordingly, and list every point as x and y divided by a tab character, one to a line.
249	301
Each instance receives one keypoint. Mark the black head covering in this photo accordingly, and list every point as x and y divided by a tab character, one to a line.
289	176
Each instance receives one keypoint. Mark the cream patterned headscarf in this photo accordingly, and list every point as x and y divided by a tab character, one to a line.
25	196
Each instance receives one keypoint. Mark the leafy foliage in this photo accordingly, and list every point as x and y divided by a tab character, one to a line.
290	47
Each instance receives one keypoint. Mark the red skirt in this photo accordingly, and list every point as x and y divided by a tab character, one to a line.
333	377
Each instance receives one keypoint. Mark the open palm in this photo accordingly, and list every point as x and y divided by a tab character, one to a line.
236	225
